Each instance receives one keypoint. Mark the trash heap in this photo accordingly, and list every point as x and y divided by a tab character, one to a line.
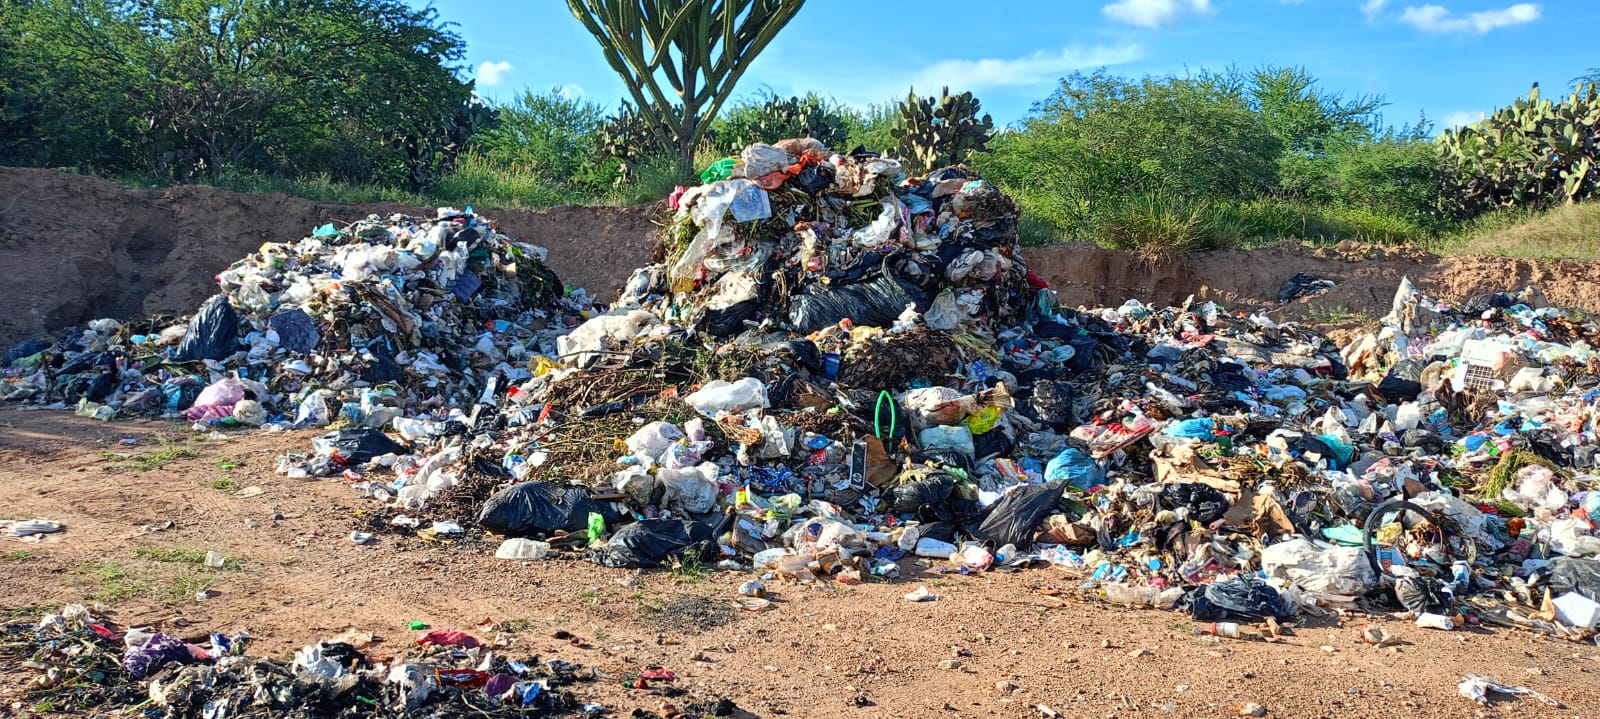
836	369
388	317
88	662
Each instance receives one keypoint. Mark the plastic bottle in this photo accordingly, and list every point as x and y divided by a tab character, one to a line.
934	549
1141	596
1218	629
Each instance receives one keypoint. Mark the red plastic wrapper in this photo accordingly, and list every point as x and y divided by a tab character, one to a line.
448	638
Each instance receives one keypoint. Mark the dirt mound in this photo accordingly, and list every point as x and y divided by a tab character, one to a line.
1366	275
75	248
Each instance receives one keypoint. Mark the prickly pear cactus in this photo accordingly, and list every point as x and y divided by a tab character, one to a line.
937	131
1534	152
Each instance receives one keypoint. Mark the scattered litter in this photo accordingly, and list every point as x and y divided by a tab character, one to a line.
1478	688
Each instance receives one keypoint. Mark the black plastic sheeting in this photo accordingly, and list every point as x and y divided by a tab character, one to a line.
296	330
539	508
361	445
875	299
1241	599
1014	518
213	332
656	542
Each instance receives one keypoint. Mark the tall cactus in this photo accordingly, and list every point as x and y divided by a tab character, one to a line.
680	59
937	131
1531	153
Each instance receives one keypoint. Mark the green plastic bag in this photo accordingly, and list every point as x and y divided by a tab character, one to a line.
718	171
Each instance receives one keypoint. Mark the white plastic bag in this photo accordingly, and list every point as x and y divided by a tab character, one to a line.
692	490
719	397
1318	567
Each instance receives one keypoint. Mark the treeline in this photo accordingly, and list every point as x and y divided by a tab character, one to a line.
365	99
349	89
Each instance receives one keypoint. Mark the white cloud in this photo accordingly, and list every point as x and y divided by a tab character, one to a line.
1459	118
1041	67
571	91
1373	8
493	73
1437	19
1154	13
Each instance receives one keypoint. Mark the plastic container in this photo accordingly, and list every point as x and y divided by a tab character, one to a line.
1435	621
519	548
1141	596
1218	629
934	549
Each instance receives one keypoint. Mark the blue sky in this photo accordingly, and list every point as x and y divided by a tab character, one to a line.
1453	59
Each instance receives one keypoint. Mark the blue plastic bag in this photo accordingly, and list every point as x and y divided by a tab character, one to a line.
1075	467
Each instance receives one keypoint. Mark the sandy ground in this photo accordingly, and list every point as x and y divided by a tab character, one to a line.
822	651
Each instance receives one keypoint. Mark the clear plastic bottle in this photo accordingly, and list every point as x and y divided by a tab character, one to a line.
1218	629
1141	596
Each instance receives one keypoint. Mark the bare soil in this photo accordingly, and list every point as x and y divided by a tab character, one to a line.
822	651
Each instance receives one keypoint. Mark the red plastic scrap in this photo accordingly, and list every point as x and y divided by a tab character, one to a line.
448	638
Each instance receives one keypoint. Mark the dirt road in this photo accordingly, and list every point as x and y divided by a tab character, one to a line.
137	525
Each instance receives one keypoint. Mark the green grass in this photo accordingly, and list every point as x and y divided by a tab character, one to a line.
225	485
688	570
1567	231
20	555
181	555
114	581
476	181
149	461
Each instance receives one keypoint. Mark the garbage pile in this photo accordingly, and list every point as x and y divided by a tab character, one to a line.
837	369
387	317
84	660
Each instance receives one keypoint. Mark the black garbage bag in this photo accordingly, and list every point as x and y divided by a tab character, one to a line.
25	348
1403	383
1013	519
997	442
1051	403
655	542
1303	284
1423	595
1572	574
530	508
296	330
360	445
802	350
813	179
102	386
1241	599
730	320
213	332
1477	304
87	361
935	498
876	300
380	365
1083	346
1206	505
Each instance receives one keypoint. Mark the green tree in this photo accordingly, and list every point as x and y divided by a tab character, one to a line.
680	59
355	88
1100	140
551	135
1306	118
